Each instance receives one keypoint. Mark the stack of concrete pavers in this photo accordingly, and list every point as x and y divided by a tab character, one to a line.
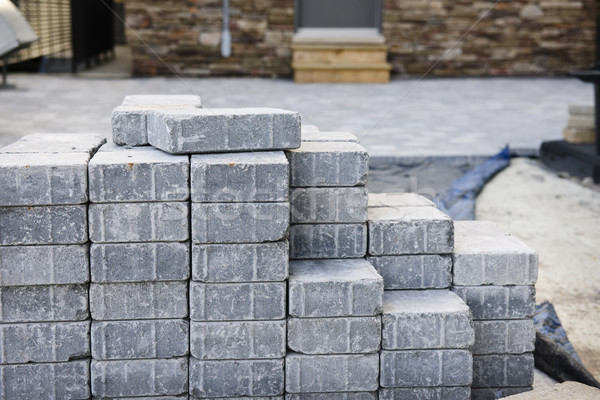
44	267
495	274
139	263
581	126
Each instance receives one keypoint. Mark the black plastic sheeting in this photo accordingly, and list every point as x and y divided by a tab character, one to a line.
458	200
554	354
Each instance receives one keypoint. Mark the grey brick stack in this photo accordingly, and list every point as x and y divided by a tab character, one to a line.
495	274
140	265
44	268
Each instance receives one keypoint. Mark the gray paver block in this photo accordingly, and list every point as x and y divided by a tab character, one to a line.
125	340
87	143
333	396
498	393
426	368
265	262
328	164
139	377
398	200
43	265
504	337
503	370
425	319
143	300
223	130
334	288
477	228
43	225
234	378
420	271
318	136
138	174
426	393
328	205
139	222
239	177
238	340
328	241
237	301
239	222
334	335
409	230
498	302
43	179
493	260
69	380
139	262
331	373
44	303
44	342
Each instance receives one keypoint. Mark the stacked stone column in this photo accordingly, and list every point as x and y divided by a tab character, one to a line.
44	268
494	273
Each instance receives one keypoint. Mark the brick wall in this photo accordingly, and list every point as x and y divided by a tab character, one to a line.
519	37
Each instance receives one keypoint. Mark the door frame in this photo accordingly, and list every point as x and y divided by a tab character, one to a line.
377	22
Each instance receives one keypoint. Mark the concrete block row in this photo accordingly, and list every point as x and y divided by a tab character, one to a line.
333	396
328	205
333	241
56	143
498	302
503	370
426	393
420	271
504	337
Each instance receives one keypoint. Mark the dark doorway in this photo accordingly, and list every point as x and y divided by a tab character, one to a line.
338	14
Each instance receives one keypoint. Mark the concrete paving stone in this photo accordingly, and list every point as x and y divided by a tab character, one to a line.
139	222
477	229
70	380
581	121
332	396
317	136
43	179
237	301
328	205
44	303
44	265
504	337
503	370
334	288
331	373
44	342
87	143
239	177
187	131
377	200
493	260
139	262
328	241
426	393
334	335
578	109
421	271
143	300
328	164
425	319
235	378
248	262
426	368
238	340
43	225
239	222
125	340
498	393
409	230
139	377
498	302
138	174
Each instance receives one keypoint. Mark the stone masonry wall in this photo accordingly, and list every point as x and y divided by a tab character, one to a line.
519	37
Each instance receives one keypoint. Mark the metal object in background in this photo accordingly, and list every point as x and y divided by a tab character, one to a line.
92	31
225	32
338	14
15	33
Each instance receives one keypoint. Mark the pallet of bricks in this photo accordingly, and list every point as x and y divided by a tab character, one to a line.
194	289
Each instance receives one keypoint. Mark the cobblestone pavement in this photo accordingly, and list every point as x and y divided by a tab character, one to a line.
434	117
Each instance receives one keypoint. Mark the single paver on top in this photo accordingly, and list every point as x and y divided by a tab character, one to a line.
504	337
138	174
331	373
398	200
334	288
86	143
428	393
409	230
425	319
223	130
493	260
503	370
328	205
420	271
498	302
318	136
308	241
44	265
43	179
239	177
328	164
